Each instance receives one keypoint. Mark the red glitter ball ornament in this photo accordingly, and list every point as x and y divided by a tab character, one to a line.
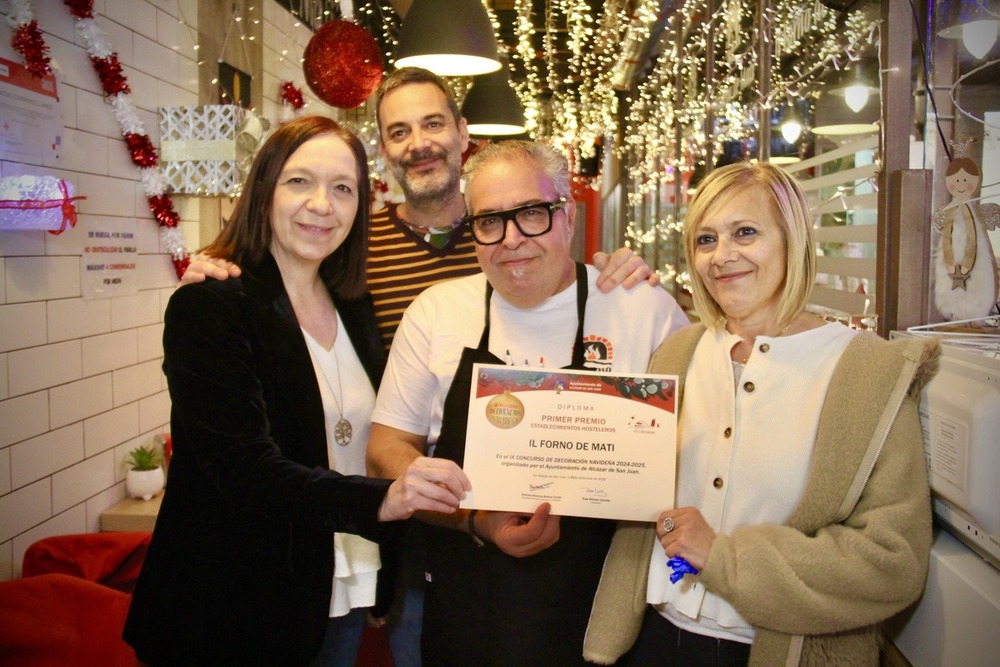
342	64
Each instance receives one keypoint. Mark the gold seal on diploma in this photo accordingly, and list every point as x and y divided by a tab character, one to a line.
505	410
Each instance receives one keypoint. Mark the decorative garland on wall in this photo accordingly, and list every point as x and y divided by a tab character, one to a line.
292	95
28	41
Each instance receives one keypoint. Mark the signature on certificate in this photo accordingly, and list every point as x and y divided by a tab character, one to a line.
539	487
595	492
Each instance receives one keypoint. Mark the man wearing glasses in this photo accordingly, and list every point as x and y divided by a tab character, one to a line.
506	588
415	244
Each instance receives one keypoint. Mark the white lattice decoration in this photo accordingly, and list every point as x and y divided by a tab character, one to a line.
199	150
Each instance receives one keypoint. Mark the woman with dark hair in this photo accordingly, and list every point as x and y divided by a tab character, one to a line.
272	380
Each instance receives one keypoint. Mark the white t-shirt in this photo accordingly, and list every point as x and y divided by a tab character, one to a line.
356	560
621	331
763	466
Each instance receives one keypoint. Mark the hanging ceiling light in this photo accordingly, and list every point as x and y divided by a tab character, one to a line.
977	36
834	119
785	143
492	107
448	37
791	127
856	96
791	130
857	93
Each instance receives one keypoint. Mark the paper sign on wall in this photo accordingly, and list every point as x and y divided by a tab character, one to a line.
108	264
31	127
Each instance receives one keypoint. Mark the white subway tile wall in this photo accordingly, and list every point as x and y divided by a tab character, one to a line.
109	429
23	417
80	379
43	456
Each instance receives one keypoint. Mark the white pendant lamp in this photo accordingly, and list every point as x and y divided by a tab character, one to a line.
977	36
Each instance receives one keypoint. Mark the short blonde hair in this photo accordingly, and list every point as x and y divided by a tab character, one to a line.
790	209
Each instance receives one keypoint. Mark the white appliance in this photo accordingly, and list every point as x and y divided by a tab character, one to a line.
957	621
960	415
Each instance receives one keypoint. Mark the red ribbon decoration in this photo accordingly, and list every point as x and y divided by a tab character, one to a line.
66	204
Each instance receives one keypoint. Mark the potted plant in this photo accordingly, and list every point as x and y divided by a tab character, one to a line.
144	478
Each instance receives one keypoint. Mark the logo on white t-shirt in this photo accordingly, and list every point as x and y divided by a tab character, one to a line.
598	353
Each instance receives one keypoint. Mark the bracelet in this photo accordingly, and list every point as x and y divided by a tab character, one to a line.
472	529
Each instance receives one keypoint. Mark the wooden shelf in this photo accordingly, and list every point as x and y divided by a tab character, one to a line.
131	514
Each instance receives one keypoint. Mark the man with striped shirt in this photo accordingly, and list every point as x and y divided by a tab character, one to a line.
421	241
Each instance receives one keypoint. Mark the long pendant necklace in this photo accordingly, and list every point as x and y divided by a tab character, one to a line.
342	430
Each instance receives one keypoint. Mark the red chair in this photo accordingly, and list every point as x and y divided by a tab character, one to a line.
69	607
111	559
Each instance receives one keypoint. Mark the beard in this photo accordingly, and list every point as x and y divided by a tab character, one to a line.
428	187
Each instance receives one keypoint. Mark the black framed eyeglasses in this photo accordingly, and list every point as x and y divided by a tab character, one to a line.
530	220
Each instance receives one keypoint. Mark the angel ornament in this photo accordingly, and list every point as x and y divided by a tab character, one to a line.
965	268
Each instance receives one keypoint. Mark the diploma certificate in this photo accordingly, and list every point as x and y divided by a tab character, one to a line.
592	444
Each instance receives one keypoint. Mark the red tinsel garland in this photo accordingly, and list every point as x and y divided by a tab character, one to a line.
140	146
291	94
28	41
163	211
141	149
81	9
109	70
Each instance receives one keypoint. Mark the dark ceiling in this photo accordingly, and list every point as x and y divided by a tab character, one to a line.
551	55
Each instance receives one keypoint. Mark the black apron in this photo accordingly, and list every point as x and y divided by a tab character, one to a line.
483	607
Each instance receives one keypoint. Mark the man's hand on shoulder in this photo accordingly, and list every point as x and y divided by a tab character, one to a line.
204	266
622	267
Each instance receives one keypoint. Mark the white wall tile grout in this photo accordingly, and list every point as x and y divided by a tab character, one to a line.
80	379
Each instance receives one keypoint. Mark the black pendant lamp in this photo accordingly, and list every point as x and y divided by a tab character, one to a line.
448	37
492	106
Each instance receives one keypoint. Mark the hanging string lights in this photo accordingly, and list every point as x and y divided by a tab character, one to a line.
566	60
665	128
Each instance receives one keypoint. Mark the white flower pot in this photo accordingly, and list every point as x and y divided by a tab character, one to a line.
144	483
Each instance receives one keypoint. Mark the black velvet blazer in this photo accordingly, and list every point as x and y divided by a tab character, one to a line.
240	567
